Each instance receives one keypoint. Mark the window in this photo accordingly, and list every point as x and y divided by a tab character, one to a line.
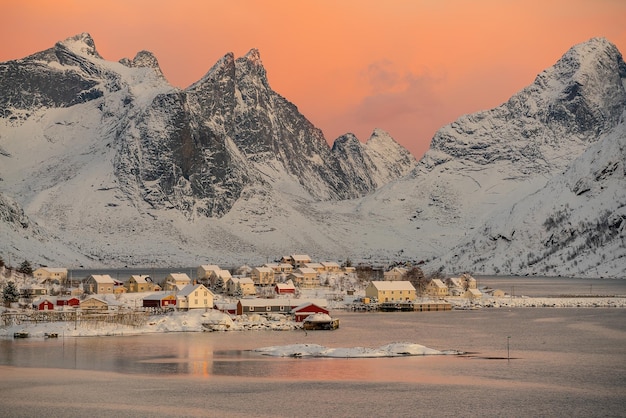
251	309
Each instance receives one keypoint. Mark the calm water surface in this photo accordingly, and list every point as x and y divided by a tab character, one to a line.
562	362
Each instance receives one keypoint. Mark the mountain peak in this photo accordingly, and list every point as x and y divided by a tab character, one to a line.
566	107
254	56
81	44
589	58
251	65
143	59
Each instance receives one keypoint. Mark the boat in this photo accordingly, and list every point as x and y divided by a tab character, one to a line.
51	335
20	334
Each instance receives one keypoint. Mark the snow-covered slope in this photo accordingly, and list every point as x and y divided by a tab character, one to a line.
116	167
575	225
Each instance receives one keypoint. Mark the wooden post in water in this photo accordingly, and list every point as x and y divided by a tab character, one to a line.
508	351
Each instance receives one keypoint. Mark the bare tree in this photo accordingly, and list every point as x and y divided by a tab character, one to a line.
416	276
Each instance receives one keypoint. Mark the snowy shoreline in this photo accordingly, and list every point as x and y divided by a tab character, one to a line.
213	320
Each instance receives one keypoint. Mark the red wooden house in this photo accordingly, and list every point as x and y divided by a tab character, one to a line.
302	311
43	305
160	300
71	301
285	288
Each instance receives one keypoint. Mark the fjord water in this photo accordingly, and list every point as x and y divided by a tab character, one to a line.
560	361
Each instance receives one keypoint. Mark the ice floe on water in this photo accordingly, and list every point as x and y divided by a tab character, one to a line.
315	350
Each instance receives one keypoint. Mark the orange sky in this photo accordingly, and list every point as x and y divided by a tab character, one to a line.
407	67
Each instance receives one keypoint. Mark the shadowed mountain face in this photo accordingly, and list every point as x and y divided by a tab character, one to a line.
196	149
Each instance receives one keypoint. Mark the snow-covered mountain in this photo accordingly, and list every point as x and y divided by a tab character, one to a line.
575	225
115	166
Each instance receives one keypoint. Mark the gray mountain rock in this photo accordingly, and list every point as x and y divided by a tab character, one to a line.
118	167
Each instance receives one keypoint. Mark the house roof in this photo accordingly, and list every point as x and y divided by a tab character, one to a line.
210	267
179	277
190	288
474	292
50	299
104	302
313	265
102	278
329	264
438	283
141	278
242	280
300	257
67	297
455	281
322	303
303	307
53	269
157	296
393	285
288	285
263	269
400	270
224	274
306	270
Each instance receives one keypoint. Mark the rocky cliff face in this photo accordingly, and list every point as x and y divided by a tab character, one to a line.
120	168
534	162
548	123
194	150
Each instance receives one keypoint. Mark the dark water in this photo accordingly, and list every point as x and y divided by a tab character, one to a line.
554	286
559	362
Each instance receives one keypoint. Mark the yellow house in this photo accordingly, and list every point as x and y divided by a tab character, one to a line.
94	303
280	268
262	276
296	260
391	291
176	281
204	271
99	283
243	286
217	275
318	267
194	297
472	294
50	273
331	266
436	288
139	283
305	277
396	273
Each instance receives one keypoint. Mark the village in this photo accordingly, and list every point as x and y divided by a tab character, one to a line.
293	287
292	293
